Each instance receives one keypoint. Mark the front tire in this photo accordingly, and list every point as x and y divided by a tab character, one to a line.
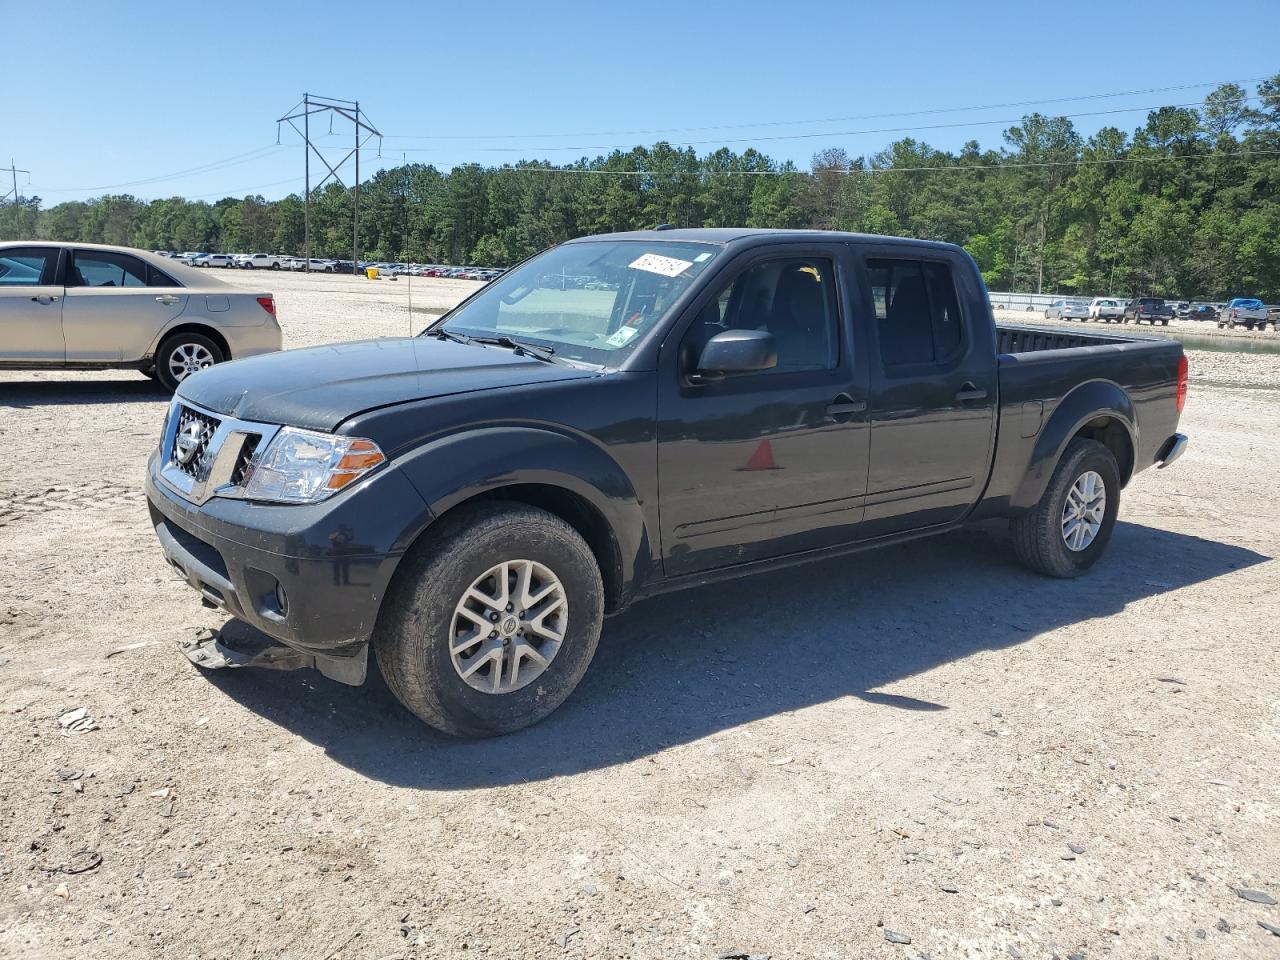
183	354
492	622
1067	531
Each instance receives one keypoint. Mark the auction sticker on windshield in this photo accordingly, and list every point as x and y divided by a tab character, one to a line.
666	266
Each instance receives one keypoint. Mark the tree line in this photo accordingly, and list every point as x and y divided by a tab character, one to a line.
1187	205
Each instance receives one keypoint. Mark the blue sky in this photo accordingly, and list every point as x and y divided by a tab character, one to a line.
156	89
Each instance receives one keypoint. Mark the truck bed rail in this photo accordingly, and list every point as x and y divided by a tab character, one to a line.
1032	339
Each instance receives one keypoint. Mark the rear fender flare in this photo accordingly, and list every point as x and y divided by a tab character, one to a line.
457	468
1086	402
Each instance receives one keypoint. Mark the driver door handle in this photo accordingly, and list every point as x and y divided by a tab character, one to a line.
44	298
969	392
843	407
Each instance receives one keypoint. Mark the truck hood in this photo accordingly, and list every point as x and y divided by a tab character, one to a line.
319	387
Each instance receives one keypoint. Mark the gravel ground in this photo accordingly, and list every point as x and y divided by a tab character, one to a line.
926	742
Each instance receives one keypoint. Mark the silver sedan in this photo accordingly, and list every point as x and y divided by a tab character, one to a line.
1067	310
91	307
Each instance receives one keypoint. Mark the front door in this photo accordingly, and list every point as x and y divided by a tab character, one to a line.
116	305
30	306
762	464
933	391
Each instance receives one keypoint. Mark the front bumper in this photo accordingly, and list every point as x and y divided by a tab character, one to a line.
310	576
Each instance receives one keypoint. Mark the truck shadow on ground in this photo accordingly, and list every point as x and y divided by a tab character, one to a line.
684	666
24	394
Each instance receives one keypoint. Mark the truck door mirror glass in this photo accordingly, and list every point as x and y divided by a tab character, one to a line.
738	351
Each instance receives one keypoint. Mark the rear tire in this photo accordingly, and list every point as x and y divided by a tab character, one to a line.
182	354
1040	535
416	641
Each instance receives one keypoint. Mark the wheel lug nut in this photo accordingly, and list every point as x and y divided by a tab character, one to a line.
493	618
510	607
492	634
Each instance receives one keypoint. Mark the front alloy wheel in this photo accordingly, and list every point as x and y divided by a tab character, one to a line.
508	626
491	619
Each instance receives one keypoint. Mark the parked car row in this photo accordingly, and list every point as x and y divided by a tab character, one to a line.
270	261
1248	312
436	270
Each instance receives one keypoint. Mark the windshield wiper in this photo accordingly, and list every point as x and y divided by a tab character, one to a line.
444	334
535	350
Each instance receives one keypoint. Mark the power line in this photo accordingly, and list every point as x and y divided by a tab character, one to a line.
209	167
864	116
871	171
831	133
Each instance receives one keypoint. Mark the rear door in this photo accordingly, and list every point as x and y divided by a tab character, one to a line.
933	388
116	304
30	306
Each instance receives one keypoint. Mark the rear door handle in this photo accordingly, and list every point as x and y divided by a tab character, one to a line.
168	298
970	392
845	407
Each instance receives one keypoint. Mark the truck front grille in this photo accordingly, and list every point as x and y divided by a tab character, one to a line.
191	442
205	454
242	471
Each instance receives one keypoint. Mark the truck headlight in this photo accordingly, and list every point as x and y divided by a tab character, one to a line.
302	466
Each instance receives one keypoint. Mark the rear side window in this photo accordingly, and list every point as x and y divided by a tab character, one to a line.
27	266
103	268
917	311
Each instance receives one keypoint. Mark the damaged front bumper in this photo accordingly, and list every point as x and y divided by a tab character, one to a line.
311	577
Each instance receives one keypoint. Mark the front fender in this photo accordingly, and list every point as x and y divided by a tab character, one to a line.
453	469
1088	401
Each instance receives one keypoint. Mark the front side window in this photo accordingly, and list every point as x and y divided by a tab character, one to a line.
917	311
26	266
794	299
588	301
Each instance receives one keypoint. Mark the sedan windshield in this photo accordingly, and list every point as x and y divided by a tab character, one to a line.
588	301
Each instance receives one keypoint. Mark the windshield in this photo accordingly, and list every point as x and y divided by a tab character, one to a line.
588	301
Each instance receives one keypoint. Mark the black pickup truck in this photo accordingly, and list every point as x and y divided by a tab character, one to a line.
1151	309
708	403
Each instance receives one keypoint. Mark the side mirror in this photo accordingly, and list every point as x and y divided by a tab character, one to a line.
738	351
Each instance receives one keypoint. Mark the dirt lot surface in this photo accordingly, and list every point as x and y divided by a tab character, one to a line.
925	743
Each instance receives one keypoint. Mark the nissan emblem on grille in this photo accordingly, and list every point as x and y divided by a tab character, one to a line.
191	440
187	443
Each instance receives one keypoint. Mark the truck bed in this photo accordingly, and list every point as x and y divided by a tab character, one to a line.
1041	369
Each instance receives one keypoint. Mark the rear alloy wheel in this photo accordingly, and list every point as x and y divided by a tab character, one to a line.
183	354
492	620
1066	532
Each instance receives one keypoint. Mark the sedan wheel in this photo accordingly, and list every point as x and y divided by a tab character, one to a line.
183	354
